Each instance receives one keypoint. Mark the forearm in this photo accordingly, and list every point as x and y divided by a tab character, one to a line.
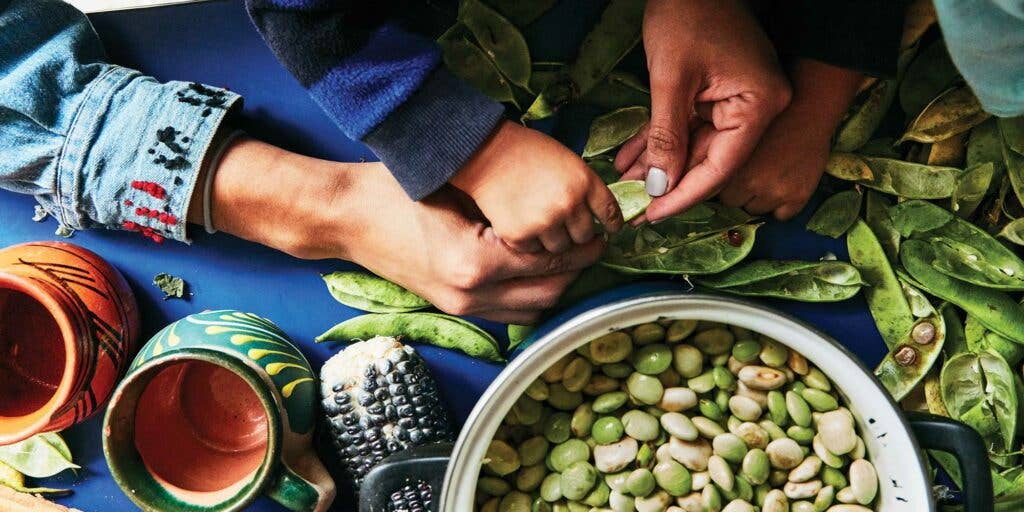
299	205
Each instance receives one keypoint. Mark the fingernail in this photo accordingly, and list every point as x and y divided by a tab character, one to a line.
657	182
653	222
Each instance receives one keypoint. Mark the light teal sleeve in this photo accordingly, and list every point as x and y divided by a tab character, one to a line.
986	41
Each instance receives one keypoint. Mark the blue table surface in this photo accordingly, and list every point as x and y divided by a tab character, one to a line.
215	43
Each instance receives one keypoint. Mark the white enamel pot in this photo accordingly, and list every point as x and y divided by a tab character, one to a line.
894	442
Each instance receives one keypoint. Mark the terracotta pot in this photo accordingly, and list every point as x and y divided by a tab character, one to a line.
68	329
217	409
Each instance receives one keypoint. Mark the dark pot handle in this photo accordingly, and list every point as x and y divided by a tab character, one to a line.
427	463
964	443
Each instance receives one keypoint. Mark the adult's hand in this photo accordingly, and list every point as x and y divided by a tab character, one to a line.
439	248
535	192
713	72
784	170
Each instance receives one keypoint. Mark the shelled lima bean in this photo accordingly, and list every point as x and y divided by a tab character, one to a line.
678	415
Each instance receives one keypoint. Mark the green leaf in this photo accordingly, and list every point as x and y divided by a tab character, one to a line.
609	131
499	39
37	457
836	214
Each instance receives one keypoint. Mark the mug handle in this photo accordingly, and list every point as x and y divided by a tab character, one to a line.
964	443
426	463
304	486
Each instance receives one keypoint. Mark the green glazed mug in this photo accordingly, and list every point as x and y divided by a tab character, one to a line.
216	410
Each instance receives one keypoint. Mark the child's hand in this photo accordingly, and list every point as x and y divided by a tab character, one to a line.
535	192
784	170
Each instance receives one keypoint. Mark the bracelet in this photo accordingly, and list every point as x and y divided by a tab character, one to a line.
208	184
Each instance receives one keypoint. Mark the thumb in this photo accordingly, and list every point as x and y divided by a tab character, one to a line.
667	136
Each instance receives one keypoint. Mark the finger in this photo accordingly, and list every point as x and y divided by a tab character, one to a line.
631	150
526	246
499	262
604	206
788	210
667	134
637	171
532	293
735	194
555	239
727	150
581	226
760	205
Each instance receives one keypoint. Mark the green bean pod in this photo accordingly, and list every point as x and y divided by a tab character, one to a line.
367	292
886	302
995	309
709	254
905	179
611	130
961	249
807	281
836	214
436	329
472	64
952	112
608	42
632	197
499	39
909	361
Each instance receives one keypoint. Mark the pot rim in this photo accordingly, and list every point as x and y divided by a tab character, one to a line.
135	383
43	293
461	474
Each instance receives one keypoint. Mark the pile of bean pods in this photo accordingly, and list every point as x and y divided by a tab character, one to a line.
678	416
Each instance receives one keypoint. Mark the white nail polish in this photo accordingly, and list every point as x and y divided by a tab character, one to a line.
657	182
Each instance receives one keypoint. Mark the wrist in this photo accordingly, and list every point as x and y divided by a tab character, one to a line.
276	198
474	173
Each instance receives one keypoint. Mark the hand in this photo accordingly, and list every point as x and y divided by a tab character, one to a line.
535	192
435	247
712	71
784	170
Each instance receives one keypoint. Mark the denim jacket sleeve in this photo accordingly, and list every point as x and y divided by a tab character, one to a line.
98	145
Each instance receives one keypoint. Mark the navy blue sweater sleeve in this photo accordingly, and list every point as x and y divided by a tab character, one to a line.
381	84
